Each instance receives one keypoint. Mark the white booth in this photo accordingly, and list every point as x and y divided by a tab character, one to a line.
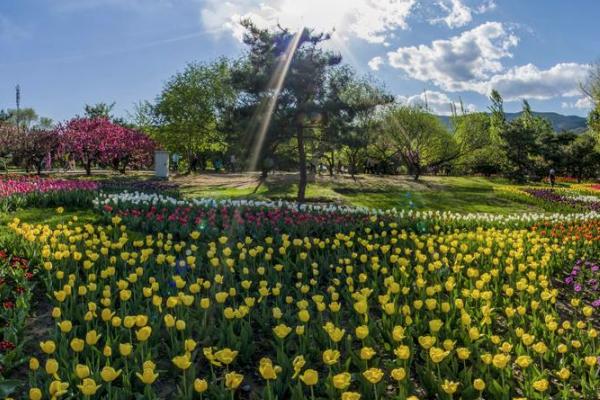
161	164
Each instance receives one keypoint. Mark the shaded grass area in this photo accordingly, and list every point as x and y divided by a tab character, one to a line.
460	194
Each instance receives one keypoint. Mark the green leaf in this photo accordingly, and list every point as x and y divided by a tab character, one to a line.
8	386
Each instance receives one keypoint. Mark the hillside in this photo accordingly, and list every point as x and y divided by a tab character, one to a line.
559	122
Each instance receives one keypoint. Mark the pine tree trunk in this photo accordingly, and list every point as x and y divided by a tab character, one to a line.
302	165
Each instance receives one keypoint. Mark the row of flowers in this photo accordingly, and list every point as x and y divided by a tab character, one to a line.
15	298
578	198
371	314
21	191
157	213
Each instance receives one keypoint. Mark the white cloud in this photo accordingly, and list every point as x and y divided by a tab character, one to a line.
437	102
375	63
583	103
371	20
458	14
487	6
473	61
459	62
530	82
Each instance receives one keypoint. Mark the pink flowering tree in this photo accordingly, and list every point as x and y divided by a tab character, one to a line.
8	141
85	140
127	148
93	141
37	149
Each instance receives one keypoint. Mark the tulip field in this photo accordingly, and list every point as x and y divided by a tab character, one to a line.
164	297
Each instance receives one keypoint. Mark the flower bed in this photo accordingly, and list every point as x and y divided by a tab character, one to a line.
15	296
156	213
584	280
353	315
22	191
569	200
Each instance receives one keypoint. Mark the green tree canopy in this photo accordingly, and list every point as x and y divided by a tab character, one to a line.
188	112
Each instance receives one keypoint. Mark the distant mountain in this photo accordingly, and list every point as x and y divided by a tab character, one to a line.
559	122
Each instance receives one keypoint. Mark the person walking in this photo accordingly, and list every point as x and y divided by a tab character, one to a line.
552	176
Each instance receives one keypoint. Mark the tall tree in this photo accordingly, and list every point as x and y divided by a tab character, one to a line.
99	110
350	106
37	148
189	111
283	86
420	138
522	143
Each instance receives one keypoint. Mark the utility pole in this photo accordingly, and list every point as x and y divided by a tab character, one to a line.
18	96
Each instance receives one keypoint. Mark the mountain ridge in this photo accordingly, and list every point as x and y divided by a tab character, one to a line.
559	122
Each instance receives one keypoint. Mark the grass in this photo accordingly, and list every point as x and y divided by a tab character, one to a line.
460	194
42	216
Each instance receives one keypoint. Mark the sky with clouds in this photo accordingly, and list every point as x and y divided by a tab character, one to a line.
66	53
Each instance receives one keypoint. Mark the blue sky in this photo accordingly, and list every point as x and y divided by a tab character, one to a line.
66	53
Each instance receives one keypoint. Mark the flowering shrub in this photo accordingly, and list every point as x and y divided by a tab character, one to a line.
375	313
21	191
15	296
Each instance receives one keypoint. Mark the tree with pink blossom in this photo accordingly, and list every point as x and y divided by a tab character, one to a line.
92	141
127	148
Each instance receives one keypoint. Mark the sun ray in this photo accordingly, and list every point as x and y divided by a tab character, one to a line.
264	113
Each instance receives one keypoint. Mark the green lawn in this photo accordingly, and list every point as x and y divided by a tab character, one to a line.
461	194
43	216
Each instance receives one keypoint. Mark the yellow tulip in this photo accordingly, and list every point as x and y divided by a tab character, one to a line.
125	349
342	381
233	380
226	355
398	374
437	355
148	376
267	370
82	371
373	375
351	396
298	364
310	377
48	346
182	362
108	374
590	361
449	387
366	353
563	374
35	394
402	352
91	337
330	356
57	388
200	385
281	331
77	345
65	326
143	334
479	384
34	364
88	387
541	385
51	366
